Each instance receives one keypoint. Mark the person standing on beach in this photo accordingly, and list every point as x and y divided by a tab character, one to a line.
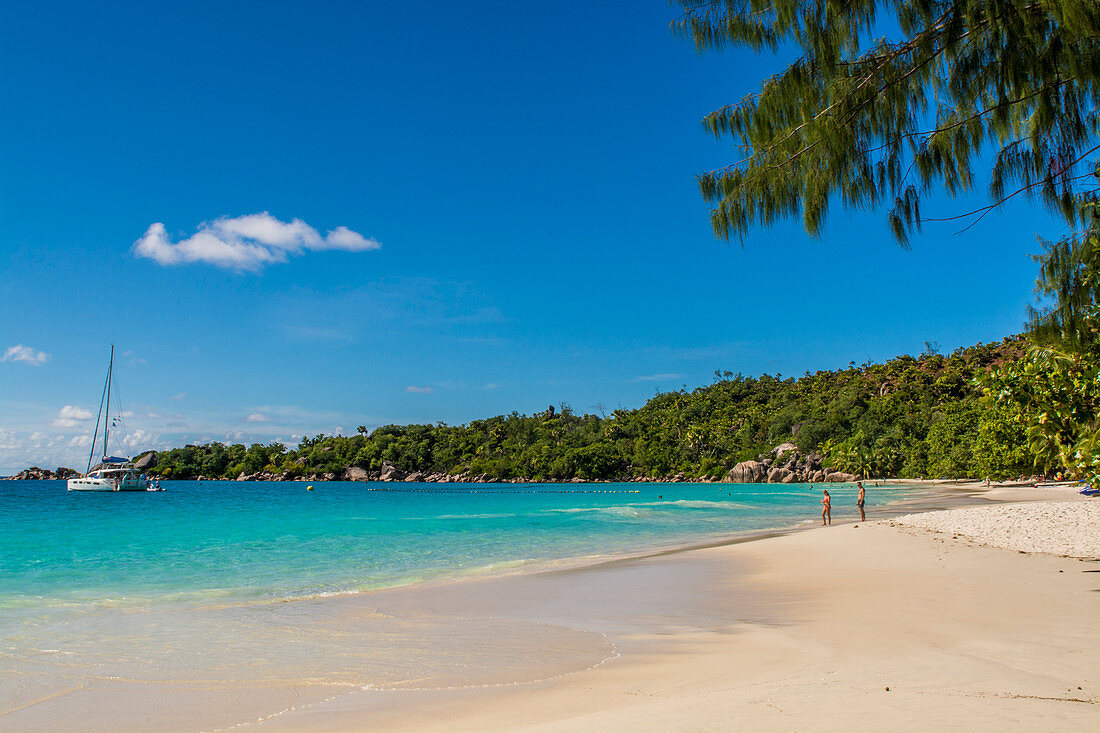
826	507
860	498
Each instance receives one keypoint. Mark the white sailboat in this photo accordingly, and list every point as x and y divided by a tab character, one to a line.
112	473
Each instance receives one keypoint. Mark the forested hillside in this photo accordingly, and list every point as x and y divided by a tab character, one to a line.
908	417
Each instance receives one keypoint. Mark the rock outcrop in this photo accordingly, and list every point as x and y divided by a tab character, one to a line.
35	473
746	472
784	448
782	476
784	464
391	472
355	473
146	461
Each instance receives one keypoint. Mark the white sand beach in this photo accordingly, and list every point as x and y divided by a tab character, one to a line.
865	627
968	619
1065	528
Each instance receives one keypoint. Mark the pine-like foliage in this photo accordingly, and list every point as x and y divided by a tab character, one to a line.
1069	278
879	122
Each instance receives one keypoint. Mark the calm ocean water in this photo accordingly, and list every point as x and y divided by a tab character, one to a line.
148	595
241	541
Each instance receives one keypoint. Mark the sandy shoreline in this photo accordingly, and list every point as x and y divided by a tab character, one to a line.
803	631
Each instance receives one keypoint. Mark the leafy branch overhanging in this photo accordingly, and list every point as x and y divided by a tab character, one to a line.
850	117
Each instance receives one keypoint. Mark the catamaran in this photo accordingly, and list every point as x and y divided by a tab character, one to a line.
112	473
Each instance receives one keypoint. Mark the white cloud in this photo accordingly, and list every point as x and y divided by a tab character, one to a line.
136	439
25	354
657	377
8	441
70	416
247	242
178	396
18	450
27	438
256	417
419	390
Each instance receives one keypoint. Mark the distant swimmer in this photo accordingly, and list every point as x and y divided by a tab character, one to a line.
859	501
826	507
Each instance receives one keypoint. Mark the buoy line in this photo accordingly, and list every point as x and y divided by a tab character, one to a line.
410	490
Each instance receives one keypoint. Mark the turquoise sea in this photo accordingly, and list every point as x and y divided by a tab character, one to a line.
253	541
168	595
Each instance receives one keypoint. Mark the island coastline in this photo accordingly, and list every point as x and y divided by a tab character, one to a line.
666	607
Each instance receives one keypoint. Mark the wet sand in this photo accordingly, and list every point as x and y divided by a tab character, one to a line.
803	631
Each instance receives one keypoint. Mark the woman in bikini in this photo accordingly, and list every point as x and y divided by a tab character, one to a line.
826	507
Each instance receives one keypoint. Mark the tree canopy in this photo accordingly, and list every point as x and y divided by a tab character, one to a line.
1069	279
1054	392
888	99
911	416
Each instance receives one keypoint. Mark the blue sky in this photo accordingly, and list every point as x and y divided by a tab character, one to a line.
521	181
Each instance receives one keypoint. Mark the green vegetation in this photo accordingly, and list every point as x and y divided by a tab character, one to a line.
908	417
991	410
880	121
877	121
1053	394
867	123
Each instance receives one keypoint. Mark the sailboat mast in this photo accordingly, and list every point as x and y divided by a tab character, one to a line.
107	422
99	417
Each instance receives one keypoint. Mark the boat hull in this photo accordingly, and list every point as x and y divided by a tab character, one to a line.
90	484
95	483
